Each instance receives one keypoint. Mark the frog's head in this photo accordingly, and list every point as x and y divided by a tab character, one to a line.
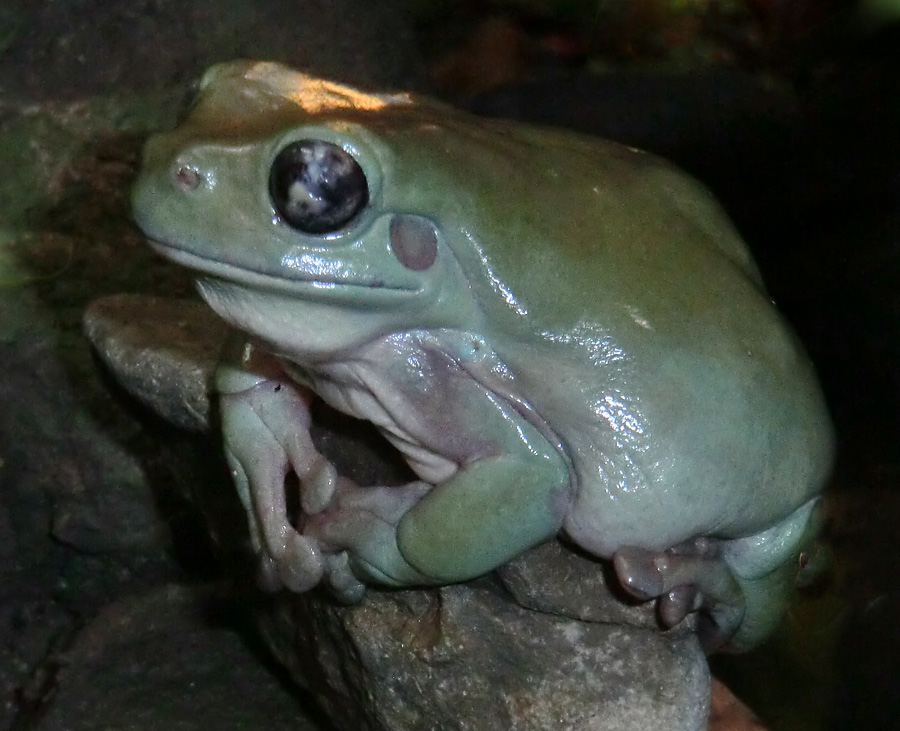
320	216
296	201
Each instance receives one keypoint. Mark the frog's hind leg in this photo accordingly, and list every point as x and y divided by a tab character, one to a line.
740	586
686	578
767	566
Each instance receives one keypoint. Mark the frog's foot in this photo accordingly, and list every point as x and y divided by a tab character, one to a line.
340	577
287	558
684	579
266	429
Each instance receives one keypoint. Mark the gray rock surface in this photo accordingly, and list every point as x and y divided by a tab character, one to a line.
570	583
78	520
163	352
466	657
544	645
160	661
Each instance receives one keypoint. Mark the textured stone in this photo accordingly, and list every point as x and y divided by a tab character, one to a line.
568	582
465	657
161	661
162	351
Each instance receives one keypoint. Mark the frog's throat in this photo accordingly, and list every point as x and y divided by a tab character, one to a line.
300	280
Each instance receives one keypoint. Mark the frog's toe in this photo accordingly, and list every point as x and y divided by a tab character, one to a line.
300	566
388	504
341	579
317	487
361	528
678	604
640	573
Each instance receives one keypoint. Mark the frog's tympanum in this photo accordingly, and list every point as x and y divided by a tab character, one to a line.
562	336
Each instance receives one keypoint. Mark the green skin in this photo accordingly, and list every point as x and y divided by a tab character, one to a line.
586	349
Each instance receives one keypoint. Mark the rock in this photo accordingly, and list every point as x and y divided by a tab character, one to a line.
160	661
568	582
162	351
52	453
31	628
466	657
543	645
69	495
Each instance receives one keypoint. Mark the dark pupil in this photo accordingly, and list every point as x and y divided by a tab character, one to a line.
316	187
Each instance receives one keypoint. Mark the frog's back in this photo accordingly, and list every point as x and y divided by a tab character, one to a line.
636	324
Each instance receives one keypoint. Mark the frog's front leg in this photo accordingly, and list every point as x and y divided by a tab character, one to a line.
265	425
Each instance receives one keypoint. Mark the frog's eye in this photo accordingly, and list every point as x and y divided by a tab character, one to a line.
317	187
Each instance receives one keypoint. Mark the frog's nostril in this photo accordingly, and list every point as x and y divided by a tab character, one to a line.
413	240
186	177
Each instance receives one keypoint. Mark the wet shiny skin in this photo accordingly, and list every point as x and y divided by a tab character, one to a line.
560	334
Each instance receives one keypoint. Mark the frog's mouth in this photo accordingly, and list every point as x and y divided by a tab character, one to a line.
306	272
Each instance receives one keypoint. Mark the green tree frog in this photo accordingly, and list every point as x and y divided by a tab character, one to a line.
563	336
